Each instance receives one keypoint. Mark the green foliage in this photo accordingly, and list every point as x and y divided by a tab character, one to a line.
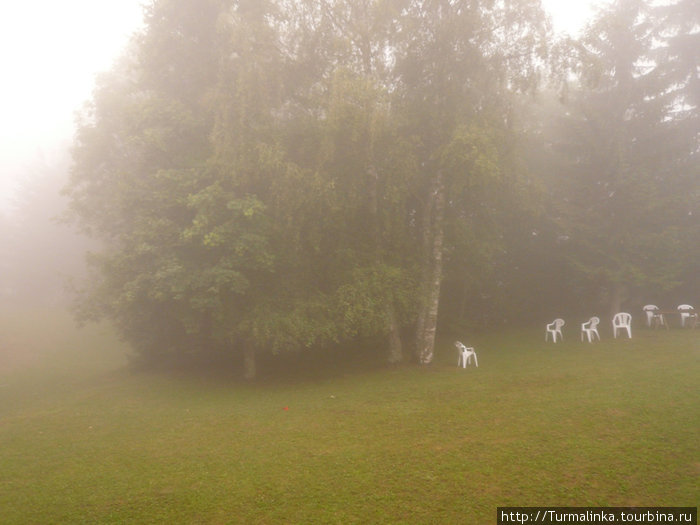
283	176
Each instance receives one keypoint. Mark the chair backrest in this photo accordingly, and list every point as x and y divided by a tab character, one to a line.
558	323
593	322
685	307
650	310
461	346
622	319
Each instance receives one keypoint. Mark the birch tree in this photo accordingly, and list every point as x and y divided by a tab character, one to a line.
459	62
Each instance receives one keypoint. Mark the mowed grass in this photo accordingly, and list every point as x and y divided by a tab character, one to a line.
85	440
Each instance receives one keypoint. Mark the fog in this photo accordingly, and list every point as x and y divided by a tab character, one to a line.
41	252
515	214
51	53
50	63
331	198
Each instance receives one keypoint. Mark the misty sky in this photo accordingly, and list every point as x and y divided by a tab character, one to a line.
51	50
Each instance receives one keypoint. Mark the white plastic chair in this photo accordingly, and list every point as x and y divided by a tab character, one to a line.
650	310
620	321
654	317
687	313
554	328
590	329
465	355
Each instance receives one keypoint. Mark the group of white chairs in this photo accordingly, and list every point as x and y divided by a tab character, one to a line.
656	318
622	322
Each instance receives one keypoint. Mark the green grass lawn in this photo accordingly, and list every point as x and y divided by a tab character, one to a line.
85	440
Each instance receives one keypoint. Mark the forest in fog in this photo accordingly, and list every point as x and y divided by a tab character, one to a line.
257	177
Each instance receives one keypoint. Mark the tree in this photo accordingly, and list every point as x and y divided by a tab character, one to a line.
364	151
140	154
306	150
459	63
262	171
620	199
222	195
677	59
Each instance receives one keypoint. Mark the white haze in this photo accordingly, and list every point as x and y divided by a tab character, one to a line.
50	52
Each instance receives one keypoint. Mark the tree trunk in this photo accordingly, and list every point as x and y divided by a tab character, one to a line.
428	317
249	363
395	347
618	294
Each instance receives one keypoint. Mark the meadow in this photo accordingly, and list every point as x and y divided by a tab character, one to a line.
86	439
